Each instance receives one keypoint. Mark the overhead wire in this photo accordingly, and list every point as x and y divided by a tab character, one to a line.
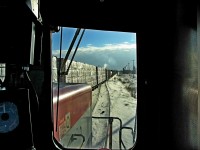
58	79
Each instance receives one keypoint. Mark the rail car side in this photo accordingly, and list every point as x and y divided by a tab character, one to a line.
72	103
72	121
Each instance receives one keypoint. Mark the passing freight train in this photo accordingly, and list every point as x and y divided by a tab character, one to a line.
72	103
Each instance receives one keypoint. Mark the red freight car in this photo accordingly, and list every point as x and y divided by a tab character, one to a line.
73	122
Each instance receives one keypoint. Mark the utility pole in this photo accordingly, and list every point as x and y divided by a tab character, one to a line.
128	68
133	67
124	69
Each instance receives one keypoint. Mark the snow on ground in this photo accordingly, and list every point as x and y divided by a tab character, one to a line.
121	95
99	125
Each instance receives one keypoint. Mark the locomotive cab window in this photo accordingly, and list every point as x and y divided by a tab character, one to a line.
94	95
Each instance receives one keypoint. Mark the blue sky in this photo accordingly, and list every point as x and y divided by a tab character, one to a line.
109	49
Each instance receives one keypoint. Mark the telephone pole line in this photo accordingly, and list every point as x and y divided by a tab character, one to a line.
134	71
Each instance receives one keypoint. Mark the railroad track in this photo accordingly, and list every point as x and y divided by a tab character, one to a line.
100	124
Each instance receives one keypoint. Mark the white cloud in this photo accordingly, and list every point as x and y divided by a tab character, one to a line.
125	42
57	53
108	47
125	46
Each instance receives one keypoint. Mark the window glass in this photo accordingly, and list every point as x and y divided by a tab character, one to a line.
95	106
